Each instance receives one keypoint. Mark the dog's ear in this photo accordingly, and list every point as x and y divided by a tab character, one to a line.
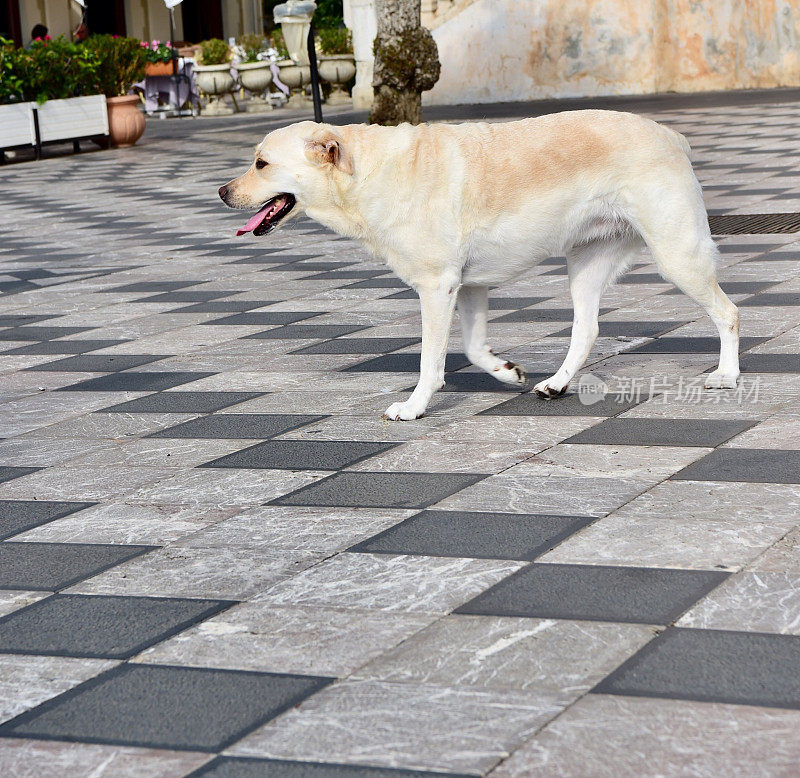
327	148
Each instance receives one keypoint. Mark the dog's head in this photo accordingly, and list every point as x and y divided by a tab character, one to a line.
293	168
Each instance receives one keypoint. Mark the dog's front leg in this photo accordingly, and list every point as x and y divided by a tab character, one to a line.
437	305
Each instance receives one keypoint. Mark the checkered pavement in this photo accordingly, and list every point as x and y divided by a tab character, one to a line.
217	559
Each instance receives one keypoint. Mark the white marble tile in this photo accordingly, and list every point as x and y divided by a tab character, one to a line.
414	726
12	600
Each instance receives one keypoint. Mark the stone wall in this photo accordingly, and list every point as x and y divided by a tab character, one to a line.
498	50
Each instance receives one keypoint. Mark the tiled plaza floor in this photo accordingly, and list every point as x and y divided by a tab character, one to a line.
217	559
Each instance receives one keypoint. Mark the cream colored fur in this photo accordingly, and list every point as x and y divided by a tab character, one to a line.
453	209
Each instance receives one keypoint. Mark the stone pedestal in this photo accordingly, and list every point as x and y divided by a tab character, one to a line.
359	16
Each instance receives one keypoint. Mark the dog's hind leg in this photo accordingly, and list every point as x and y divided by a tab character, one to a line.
437	305
473	307
590	266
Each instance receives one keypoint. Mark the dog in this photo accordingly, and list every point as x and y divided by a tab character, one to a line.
455	208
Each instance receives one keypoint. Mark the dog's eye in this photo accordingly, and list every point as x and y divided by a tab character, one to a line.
261	164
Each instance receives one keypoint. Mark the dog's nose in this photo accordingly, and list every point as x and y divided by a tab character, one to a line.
223	192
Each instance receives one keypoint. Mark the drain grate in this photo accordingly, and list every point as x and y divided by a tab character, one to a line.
754	223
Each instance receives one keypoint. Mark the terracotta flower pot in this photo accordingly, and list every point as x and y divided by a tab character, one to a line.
126	122
158	69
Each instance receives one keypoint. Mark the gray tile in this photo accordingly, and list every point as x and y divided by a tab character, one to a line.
99	626
380	490
223	306
165	707
477	535
309	331
238	426
151	286
713	666
99	363
182	402
301	454
662	432
19	515
50	566
628	329
568	405
259	318
510	303
196	296
64	347
39	333
772	299
770	363
595	592
484	382
686	345
134	382
8	473
404	363
243	767
759	465
358	346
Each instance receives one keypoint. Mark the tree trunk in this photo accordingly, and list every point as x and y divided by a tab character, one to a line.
406	63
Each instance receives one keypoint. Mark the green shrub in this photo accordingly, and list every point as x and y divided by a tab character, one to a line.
121	63
214	52
335	41
279	44
11	86
51	70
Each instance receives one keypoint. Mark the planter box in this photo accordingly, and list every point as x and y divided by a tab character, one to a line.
158	69
76	117
17	127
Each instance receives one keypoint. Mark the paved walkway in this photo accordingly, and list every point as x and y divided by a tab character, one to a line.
213	545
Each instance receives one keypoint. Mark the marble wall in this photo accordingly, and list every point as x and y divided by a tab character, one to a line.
497	50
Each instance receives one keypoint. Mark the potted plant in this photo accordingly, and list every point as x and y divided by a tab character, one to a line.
214	75
60	76
121	64
337	64
254	58
159	58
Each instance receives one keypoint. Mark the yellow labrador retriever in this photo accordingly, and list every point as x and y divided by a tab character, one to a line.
453	209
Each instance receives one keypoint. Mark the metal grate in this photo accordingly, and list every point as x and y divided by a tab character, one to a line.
754	223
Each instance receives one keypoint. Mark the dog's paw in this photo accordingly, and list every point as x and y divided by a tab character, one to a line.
720	380
549	388
403	412
510	373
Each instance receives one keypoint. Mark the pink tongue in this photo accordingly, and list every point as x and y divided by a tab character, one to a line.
254	221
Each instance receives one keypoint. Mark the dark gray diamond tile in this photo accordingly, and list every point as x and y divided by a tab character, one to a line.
39	333
747	668
134	382
754	465
239	767
152	286
477	535
596	593
194	709
770	363
541	314
642	278
389	282
682	345
629	329
191	296
662	432
310	331
512	303
50	566
238	426
404	363
19	515
259	318
99	363
772	299
182	402
8	473
380	490
358	346
269	258
20	319
405	294
484	382
99	626
735	287
64	347
569	405
340	274
301	454
223	306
